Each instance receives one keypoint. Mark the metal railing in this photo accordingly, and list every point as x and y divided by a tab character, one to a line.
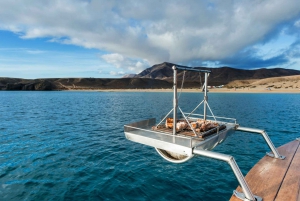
247	194
217	118
267	139
182	140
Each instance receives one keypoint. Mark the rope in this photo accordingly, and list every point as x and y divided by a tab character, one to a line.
200	81
181	84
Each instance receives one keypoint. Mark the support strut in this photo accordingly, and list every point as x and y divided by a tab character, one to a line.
247	194
175	103
275	153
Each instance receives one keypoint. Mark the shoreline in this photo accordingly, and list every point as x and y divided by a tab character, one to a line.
214	90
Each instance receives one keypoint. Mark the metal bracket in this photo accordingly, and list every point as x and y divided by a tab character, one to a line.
275	153
273	156
247	194
241	196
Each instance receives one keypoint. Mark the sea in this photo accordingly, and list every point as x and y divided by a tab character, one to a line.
70	145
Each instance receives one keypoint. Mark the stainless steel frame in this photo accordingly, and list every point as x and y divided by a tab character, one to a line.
186	146
247	195
267	139
141	132
205	96
175	99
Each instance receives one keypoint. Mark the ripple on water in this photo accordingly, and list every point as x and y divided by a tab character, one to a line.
71	145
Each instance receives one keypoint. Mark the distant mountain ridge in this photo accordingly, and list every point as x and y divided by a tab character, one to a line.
50	84
218	76
156	77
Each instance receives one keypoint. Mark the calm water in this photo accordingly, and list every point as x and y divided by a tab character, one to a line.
71	145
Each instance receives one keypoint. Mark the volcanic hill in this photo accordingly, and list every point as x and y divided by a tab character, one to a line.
156	77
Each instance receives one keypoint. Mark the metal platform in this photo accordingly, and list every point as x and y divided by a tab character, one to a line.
180	143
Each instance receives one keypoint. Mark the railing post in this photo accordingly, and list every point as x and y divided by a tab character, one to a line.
247	194
267	139
174	100
205	96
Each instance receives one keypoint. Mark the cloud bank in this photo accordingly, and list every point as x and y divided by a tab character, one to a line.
134	34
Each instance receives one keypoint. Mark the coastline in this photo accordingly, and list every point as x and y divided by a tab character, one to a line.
214	90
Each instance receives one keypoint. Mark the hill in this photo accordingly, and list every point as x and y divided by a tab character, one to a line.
157	77
81	84
218	76
286	82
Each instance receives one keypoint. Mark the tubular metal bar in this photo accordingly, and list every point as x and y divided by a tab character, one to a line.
164	117
187	121
205	97
175	100
235	168
163	133
267	139
195	109
210	111
192	69
232	119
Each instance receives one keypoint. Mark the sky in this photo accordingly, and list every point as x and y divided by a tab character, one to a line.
109	39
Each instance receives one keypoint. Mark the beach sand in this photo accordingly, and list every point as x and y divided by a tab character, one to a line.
286	84
214	90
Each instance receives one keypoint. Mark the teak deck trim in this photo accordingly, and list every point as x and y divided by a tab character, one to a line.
274	179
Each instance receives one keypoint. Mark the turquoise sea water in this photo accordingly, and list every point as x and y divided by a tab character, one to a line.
71	145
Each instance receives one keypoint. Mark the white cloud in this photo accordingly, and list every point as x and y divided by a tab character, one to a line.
151	31
35	52
297	24
115	59
114	73
129	65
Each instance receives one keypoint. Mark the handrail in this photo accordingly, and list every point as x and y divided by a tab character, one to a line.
267	139
247	194
232	119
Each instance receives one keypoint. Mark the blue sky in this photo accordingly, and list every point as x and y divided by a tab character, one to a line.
97	38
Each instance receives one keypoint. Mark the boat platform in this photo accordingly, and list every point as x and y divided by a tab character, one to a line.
182	143
273	179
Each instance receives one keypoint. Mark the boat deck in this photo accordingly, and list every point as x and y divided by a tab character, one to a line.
274	179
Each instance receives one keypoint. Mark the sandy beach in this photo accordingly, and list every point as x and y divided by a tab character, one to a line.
213	90
286	84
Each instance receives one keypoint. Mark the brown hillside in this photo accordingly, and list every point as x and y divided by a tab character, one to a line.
161	76
286	82
218	76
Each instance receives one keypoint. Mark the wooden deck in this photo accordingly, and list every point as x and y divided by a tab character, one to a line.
275	179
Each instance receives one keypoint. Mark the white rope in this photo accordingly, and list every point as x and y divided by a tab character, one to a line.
201	85
181	84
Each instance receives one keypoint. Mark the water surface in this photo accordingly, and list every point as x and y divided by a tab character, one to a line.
71	145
